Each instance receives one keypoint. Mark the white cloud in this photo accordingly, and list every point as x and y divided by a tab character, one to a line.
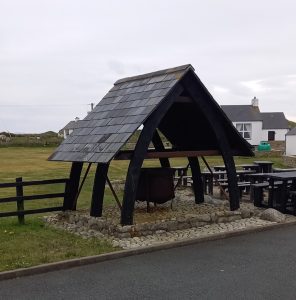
255	86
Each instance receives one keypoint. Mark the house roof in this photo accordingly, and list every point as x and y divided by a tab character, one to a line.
292	131
70	125
105	130
242	113
249	113
274	120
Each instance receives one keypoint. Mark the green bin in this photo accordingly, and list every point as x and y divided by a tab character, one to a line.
264	146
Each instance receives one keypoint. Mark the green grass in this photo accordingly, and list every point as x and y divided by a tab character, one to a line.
22	246
32	243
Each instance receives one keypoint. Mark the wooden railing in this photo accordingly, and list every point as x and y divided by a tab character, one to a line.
20	198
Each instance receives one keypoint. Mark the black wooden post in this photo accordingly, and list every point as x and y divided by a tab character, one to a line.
136	162
99	190
20	200
197	180
199	94
158	145
72	186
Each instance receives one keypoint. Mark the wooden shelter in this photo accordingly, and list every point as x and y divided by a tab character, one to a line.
172	101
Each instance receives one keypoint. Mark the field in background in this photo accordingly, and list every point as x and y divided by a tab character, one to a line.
31	164
32	243
47	139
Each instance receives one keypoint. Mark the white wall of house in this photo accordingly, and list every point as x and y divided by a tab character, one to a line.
280	134
256	131
67	132
291	145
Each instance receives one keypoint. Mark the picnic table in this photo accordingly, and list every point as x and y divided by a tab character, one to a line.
252	167
208	178
287	178
180	174
265	166
278	185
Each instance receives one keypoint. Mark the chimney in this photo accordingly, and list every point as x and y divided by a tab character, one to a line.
91	107
255	102
76	119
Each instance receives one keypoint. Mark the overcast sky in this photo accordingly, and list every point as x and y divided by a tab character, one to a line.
57	56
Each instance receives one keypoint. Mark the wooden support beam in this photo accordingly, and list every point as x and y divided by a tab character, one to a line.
158	145
197	179
142	145
200	95
99	190
152	154
82	183
72	186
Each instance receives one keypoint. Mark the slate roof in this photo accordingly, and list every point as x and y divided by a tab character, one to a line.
274	120
103	132
292	131
242	113
249	113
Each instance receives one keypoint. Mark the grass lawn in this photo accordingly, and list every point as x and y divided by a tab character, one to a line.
32	243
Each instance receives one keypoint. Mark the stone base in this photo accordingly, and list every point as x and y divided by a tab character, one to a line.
182	214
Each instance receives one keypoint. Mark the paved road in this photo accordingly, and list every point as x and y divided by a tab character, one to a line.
254	266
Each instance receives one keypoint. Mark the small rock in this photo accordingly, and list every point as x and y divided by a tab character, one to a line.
273	215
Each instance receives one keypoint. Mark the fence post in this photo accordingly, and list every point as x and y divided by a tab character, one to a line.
20	200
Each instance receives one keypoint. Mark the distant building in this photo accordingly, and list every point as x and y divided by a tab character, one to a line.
256	126
291	142
68	129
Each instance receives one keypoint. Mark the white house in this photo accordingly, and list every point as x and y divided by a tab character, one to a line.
256	126
68	129
291	142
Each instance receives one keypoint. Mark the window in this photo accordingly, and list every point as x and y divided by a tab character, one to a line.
245	129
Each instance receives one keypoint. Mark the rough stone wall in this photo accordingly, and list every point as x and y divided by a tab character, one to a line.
290	161
277	145
272	153
78	222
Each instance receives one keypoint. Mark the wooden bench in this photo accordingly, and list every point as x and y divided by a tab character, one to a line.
292	202
242	185
257	192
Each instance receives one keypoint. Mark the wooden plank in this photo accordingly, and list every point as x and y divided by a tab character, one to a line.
47	181
33	197
8	185
31	211
197	179
158	145
20	200
152	154
211	110
99	190
44	196
8	199
133	174
72	186
35	182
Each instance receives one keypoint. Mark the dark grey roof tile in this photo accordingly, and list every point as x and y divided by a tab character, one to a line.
128	128
101	147
70	139
112	138
114	119
157	79
154	101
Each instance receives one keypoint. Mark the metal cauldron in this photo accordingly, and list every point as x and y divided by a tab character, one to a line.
156	185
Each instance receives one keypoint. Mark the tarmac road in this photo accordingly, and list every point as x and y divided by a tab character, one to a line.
254	266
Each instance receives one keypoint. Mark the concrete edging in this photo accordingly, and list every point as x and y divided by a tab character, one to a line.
66	264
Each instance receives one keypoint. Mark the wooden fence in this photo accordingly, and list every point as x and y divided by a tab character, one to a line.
19	184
